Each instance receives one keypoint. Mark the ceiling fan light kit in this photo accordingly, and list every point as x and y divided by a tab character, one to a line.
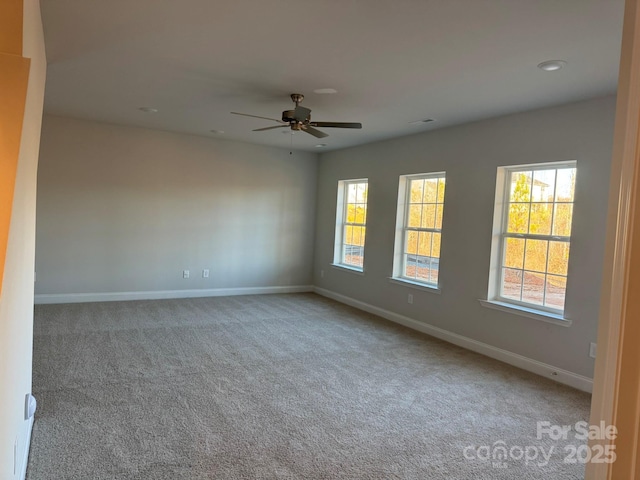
299	120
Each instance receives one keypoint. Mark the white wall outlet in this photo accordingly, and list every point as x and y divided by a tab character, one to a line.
205	273
593	350
185	274
409	298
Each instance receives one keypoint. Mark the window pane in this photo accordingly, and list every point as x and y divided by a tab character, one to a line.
412	242
424	244
428	215
540	203
439	210
351	213
415	212
514	252
355	257
430	190
435	270
566	183
543	185
359	213
533	288
520	190
558	257
535	257
348	234
423	213
416	191
511	283
405	265
518	218
357	236
351	193
555	291
422	270
540	222
409	266
361	192
441	186
562	219
435	249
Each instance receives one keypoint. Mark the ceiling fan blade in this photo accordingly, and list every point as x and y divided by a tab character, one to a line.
301	113
314	132
269	128
257	116
336	124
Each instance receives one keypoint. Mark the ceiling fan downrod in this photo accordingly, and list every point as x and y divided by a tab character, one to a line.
297	98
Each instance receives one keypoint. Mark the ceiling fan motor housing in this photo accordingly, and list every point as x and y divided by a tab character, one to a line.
288	116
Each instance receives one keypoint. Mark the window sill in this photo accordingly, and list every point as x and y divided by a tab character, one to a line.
527	312
420	286
347	268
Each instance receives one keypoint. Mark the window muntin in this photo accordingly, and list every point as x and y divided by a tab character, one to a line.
352	222
535	236
422	227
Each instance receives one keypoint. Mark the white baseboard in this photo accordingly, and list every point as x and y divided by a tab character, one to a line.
559	375
25	454
164	294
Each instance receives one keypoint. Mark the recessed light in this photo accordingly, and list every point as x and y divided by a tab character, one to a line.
219	132
148	109
325	91
320	145
425	120
552	65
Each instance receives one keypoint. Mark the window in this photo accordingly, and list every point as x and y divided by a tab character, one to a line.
351	223
535	235
419	228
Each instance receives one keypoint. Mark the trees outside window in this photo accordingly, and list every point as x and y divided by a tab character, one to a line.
351	223
420	212
536	235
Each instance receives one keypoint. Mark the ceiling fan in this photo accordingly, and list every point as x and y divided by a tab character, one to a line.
299	119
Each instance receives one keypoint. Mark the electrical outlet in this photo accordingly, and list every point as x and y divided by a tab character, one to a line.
410	298
592	349
205	273
321	273
185	274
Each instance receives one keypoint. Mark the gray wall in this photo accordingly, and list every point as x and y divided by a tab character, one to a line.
470	155
125	209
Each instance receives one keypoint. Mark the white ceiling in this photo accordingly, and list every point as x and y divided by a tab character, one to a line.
392	62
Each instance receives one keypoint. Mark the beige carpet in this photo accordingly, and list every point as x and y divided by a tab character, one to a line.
277	387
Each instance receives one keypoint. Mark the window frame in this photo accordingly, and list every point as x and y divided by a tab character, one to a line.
403	228
342	222
503	193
